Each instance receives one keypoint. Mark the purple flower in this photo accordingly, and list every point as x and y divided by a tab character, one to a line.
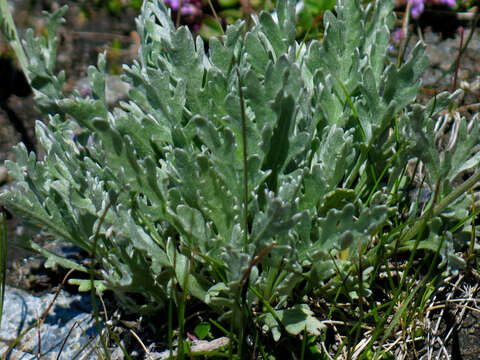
188	7
397	36
191	11
417	7
450	3
172	4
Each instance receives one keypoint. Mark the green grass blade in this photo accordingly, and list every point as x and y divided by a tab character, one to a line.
3	259
7	27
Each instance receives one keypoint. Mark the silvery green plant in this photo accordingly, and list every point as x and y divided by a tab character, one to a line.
262	169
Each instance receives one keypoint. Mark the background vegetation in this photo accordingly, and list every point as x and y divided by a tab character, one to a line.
302	187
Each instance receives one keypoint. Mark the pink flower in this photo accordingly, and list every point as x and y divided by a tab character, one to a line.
417	7
188	7
450	3
191	11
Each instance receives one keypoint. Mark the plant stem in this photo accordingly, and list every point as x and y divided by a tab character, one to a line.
437	210
7	26
3	259
245	169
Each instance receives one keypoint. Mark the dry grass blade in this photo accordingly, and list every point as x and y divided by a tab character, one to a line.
149	356
41	319
65	340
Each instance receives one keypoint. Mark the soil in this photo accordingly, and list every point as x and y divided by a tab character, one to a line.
82	39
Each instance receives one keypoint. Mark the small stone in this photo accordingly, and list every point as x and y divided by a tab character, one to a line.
69	319
117	354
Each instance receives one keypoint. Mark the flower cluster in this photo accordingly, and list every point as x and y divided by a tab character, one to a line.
187	7
419	5
190	11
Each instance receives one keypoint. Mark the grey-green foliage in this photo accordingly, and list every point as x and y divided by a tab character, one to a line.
156	185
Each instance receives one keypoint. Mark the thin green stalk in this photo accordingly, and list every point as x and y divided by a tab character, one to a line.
243	290
222	329
423	224
377	182
230	335
92	271
306	36
170	309
396	295
3	259
242	332
364	154
429	290
356	169
473	234
245	169
462	222
350	104
179	13
405	37
360	292
437	209
399	312
304	343
216	16
7	27
407	301
170	320
117	341
181	313
267	305
262	351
